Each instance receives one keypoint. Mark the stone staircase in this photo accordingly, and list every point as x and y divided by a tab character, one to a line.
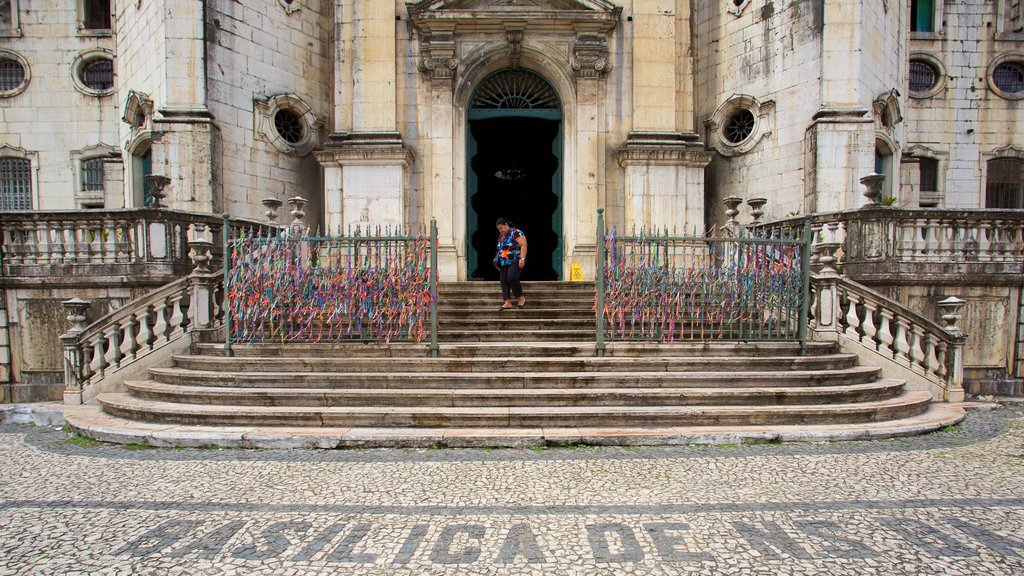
529	376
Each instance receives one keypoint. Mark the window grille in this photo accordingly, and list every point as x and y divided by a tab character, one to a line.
923	77
97	15
12	74
92	175
1004	187
15	184
1009	77
515	90
288	125
1016	17
98	74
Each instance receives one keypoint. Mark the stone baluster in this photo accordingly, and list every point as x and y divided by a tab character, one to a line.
852	320
73	356
176	324
112	335
82	243
943	233
98	364
940	360
902	340
30	244
160	324
867	326
917	347
931	356
128	344
920	245
885	339
66	232
13	250
142	339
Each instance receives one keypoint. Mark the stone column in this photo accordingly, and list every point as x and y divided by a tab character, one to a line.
663	158
438	64
365	162
203	281
826	302
73	356
950	314
184	134
591	64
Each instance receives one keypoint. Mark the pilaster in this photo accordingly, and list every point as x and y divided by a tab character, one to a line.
664	183
365	180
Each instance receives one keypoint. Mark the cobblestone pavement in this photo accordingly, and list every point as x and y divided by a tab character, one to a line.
948	503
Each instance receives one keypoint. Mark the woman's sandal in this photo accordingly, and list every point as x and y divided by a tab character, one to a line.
505	307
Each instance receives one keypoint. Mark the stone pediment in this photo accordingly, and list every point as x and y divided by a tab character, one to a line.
484	14
514	5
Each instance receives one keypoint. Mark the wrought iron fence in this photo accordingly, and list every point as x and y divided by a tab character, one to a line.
653	286
378	285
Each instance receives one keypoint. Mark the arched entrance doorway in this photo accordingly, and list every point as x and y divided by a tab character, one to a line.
514	147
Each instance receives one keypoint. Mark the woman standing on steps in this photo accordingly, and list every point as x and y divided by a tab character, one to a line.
510	259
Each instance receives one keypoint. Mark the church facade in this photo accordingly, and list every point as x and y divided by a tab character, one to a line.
543	111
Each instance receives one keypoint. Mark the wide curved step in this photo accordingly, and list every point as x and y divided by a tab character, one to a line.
881	389
126	406
501	364
462	380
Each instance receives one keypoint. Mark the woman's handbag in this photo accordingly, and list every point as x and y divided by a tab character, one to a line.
497	260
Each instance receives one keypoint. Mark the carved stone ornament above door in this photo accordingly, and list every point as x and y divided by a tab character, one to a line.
585	23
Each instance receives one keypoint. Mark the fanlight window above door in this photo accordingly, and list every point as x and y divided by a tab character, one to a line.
515	90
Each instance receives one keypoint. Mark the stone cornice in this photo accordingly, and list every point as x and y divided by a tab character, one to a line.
663	149
430	15
368	149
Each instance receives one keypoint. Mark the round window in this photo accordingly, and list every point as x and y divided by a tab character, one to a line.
12	75
1009	77
739	126
98	74
923	76
288	125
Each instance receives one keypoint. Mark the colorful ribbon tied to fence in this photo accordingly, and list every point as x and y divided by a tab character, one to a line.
660	288
329	289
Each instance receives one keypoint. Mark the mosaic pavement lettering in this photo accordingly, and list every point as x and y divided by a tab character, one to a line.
949	503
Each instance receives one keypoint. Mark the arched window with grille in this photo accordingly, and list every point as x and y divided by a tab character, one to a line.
15	184
1004	186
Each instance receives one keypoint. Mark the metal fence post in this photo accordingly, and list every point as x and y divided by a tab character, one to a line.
433	288
226	236
805	291
600	281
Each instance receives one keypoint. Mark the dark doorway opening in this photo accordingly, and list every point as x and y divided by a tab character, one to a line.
514	172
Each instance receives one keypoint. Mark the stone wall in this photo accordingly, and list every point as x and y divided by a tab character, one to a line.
963	122
275	55
810	73
53	121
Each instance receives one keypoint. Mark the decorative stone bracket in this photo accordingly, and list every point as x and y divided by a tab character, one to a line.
590	54
437	54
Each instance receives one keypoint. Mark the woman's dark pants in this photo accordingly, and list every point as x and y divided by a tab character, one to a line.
509	275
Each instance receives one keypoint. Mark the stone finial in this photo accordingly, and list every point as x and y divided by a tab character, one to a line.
757	208
873	184
732	204
298	204
827	256
949	310
272	204
76	308
156	184
201	254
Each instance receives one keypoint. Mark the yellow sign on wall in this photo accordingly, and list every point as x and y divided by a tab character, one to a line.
576	272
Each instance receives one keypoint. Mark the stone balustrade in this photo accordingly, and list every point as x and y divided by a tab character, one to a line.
886	333
910	246
63	246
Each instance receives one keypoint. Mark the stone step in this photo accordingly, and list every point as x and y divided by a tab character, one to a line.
89	420
492	335
492	301
492	313
450	397
511	321
521	349
483	286
464	380
903	406
504	364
